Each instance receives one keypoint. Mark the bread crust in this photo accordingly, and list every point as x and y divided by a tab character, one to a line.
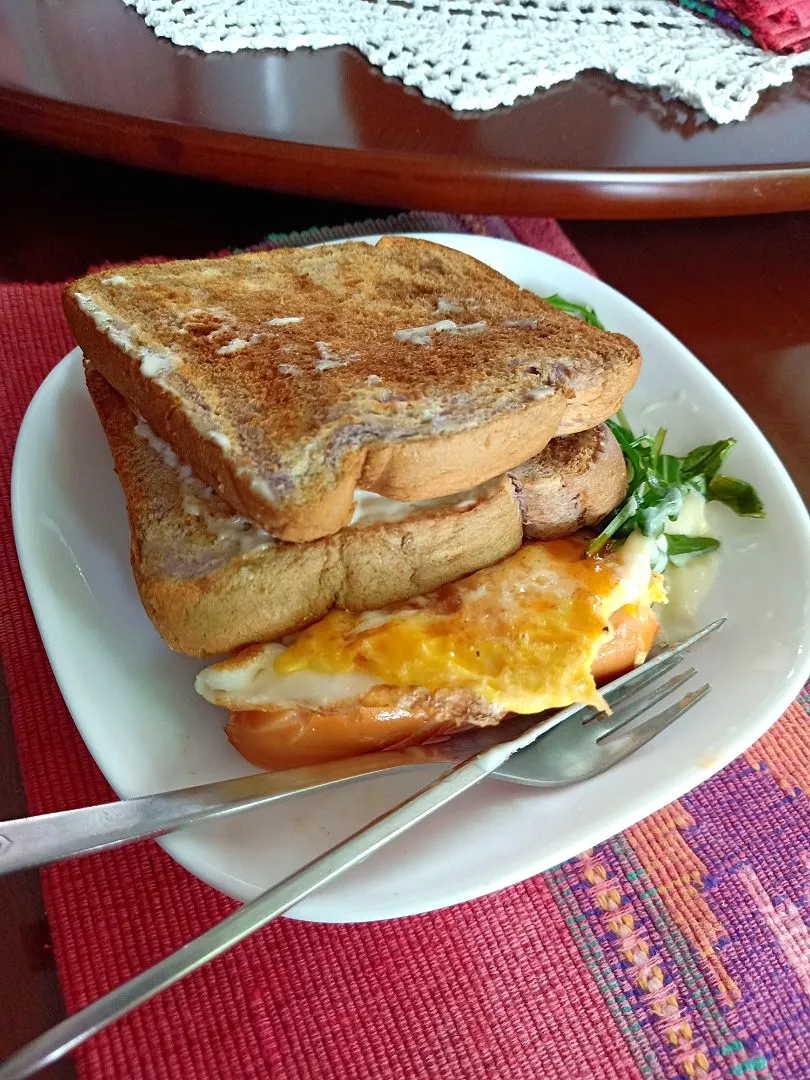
443	416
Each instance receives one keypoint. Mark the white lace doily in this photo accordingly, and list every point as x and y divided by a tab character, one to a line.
479	54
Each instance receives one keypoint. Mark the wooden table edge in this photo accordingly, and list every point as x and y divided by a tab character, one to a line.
418	182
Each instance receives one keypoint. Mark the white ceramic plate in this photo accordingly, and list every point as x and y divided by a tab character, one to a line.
134	704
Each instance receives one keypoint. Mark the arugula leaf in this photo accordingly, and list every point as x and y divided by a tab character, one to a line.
680	549
669	468
629	449
581	311
624	515
737	495
701	464
657	484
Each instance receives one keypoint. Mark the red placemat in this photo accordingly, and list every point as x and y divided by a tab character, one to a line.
676	949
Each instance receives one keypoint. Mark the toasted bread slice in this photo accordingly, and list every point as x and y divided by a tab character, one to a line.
212	582
288	379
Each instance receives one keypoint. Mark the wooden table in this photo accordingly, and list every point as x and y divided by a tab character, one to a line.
90	75
734	290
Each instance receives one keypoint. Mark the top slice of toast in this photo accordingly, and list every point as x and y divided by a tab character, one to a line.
288	379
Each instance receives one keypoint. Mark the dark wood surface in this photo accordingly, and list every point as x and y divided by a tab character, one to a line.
91	75
734	290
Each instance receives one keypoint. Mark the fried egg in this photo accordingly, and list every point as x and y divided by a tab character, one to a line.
533	632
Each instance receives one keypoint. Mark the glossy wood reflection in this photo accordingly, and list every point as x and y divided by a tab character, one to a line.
91	75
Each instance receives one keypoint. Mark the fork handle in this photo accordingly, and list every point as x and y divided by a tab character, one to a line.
72	1032
46	838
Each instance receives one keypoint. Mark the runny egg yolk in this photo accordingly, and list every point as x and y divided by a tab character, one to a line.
523	634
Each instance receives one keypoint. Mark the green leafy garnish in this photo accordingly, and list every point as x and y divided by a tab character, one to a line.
681	549
737	495
581	311
657	485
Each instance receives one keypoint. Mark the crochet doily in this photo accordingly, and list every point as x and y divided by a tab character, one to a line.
479	54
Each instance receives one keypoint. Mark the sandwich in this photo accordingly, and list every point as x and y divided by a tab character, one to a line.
384	480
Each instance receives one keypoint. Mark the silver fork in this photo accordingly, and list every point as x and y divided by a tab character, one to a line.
565	753
587	742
